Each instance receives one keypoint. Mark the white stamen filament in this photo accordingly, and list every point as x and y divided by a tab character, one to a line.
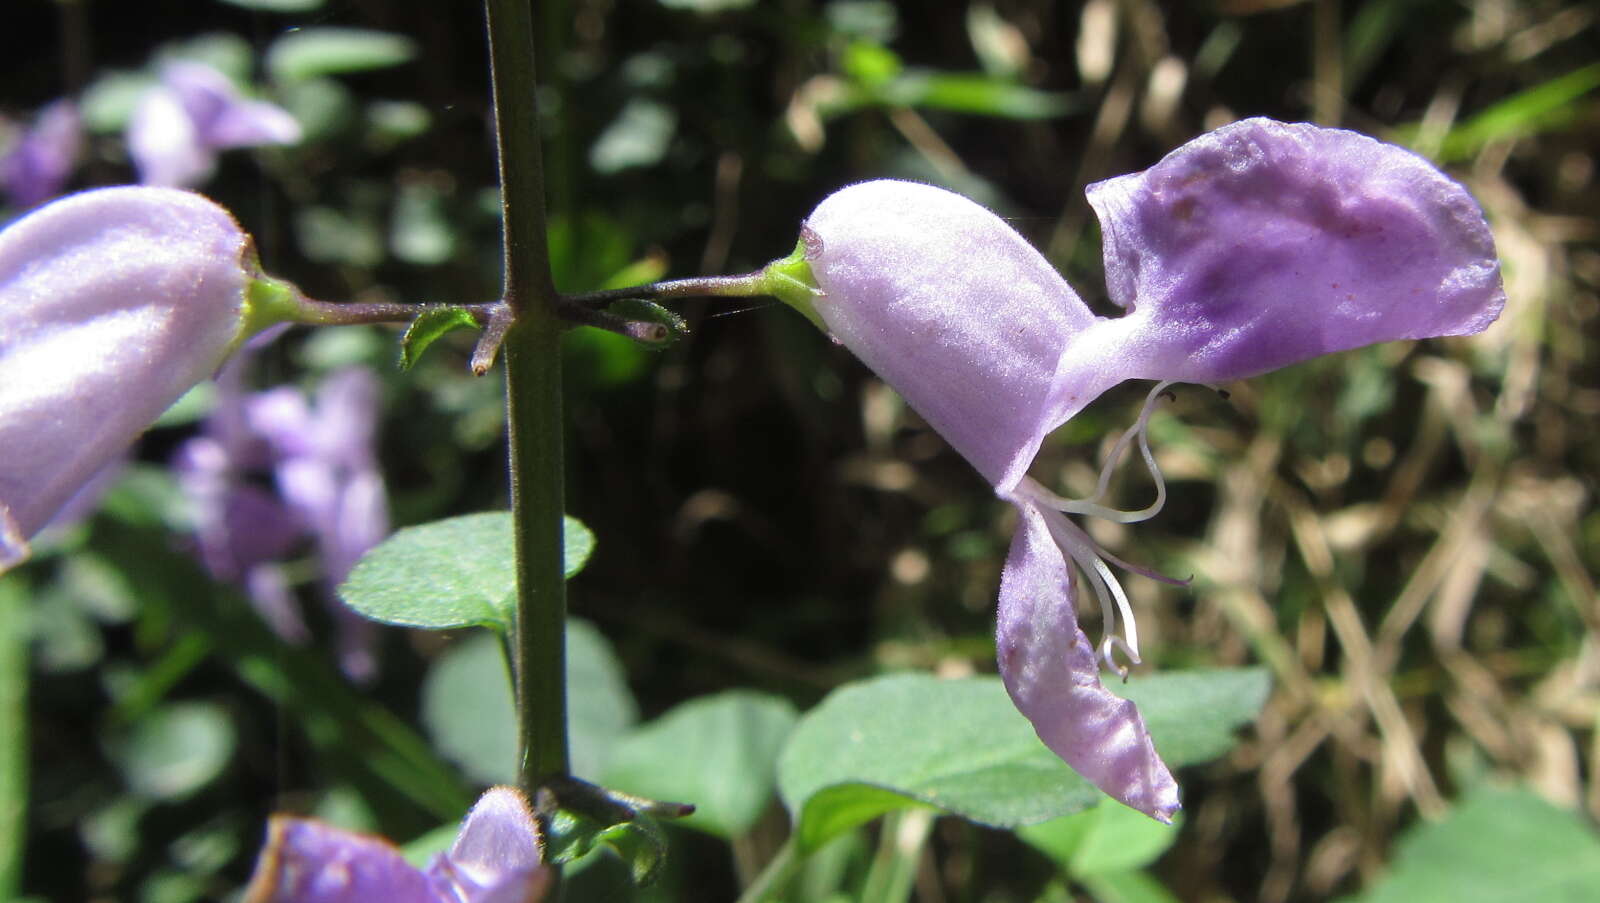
1091	506
1086	554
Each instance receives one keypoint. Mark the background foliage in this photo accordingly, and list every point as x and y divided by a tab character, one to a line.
1403	537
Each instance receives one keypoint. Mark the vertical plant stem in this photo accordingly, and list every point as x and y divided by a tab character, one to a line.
533	402
14	728
894	867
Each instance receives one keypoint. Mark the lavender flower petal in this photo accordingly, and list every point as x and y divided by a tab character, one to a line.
1051	671
165	144
495	857
222	118
178	126
306	861
113	303
35	170
957	312
1263	243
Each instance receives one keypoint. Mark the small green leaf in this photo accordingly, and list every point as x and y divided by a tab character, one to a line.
960	745
458	572
329	50
635	835
642	311
719	752
175	750
639	136
1498	844
427	328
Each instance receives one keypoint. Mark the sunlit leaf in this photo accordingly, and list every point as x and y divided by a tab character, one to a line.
912	740
428	327
1498	844
175	750
458	572
329	50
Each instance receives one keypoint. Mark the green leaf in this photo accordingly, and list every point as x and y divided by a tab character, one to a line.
1498	844
427	328
467	709
642	311
959	745
458	572
329	50
719	752
639	136
1105	840
639	840
1540	108
175	750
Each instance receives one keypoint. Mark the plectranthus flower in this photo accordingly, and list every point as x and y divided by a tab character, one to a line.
113	303
36	167
495	859
1250	248
194	112
321	457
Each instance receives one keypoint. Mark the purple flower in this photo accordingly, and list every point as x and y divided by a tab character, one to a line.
180	125
113	303
495	859
36	168
1250	248
322	459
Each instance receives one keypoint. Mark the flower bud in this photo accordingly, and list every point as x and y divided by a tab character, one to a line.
113	303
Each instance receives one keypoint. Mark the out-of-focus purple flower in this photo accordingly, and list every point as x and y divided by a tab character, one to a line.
195	111
1250	248
113	303
322	462
37	167
495	859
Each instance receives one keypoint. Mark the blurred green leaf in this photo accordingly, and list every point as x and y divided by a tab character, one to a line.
225	52
354	736
109	100
1106	839
1529	112
420	232
324	108
639	136
869	64
175	750
428	327
329	50
973	93
959	745
458	572
1498	844
718	752
467	709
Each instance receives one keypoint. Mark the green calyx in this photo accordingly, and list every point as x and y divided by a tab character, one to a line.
268	302
790	280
